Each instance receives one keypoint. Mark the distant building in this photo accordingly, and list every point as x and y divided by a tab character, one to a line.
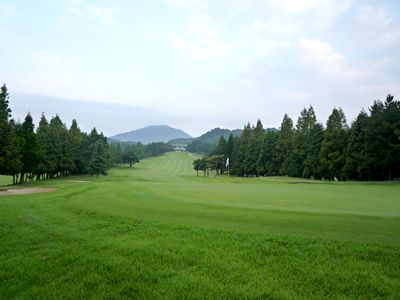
180	147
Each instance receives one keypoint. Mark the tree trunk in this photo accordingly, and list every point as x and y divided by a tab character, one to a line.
21	181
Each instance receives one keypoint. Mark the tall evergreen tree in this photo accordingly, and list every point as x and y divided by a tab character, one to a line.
301	140
333	149
382	148
74	137
46	165
356	166
312	165
10	144
391	161
284	146
229	147
99	160
266	163
30	151
57	133
5	128
252	150
239	154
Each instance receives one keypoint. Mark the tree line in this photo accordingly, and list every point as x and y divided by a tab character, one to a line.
53	150
130	153
369	149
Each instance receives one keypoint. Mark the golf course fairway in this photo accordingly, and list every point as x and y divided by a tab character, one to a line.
157	230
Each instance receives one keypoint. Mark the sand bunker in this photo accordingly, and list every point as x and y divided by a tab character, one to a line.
26	191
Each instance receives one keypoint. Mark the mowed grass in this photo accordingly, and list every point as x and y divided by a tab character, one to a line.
4	181
158	231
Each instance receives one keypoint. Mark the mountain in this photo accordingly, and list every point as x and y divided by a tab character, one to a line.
151	134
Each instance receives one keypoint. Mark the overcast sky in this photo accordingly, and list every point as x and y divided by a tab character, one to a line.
196	64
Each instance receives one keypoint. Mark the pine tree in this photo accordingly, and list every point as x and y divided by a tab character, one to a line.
284	146
99	161
10	144
239	153
45	165
253	148
301	140
266	163
333	149
30	151
57	133
229	147
383	145
356	166
312	165
75	138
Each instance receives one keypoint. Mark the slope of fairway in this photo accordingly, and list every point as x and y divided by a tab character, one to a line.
166	189
158	231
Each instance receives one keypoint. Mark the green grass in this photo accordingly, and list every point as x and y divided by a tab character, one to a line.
158	231
5	180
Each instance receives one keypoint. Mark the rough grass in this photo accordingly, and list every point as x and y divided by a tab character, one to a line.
158	231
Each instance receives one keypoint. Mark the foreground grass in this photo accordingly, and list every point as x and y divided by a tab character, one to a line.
157	231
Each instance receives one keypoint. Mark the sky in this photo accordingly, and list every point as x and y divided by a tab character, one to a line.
196	64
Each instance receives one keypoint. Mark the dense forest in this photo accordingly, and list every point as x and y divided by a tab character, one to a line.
369	149
53	150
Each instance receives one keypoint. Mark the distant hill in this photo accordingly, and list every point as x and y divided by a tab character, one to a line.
151	134
209	137
213	136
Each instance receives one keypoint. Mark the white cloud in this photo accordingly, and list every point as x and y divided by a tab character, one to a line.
319	56
191	5
294	5
376	24
204	48
375	17
75	11
48	59
94	12
193	49
76	2
318	50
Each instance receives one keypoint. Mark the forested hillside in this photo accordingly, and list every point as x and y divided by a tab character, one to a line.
209	140
369	149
